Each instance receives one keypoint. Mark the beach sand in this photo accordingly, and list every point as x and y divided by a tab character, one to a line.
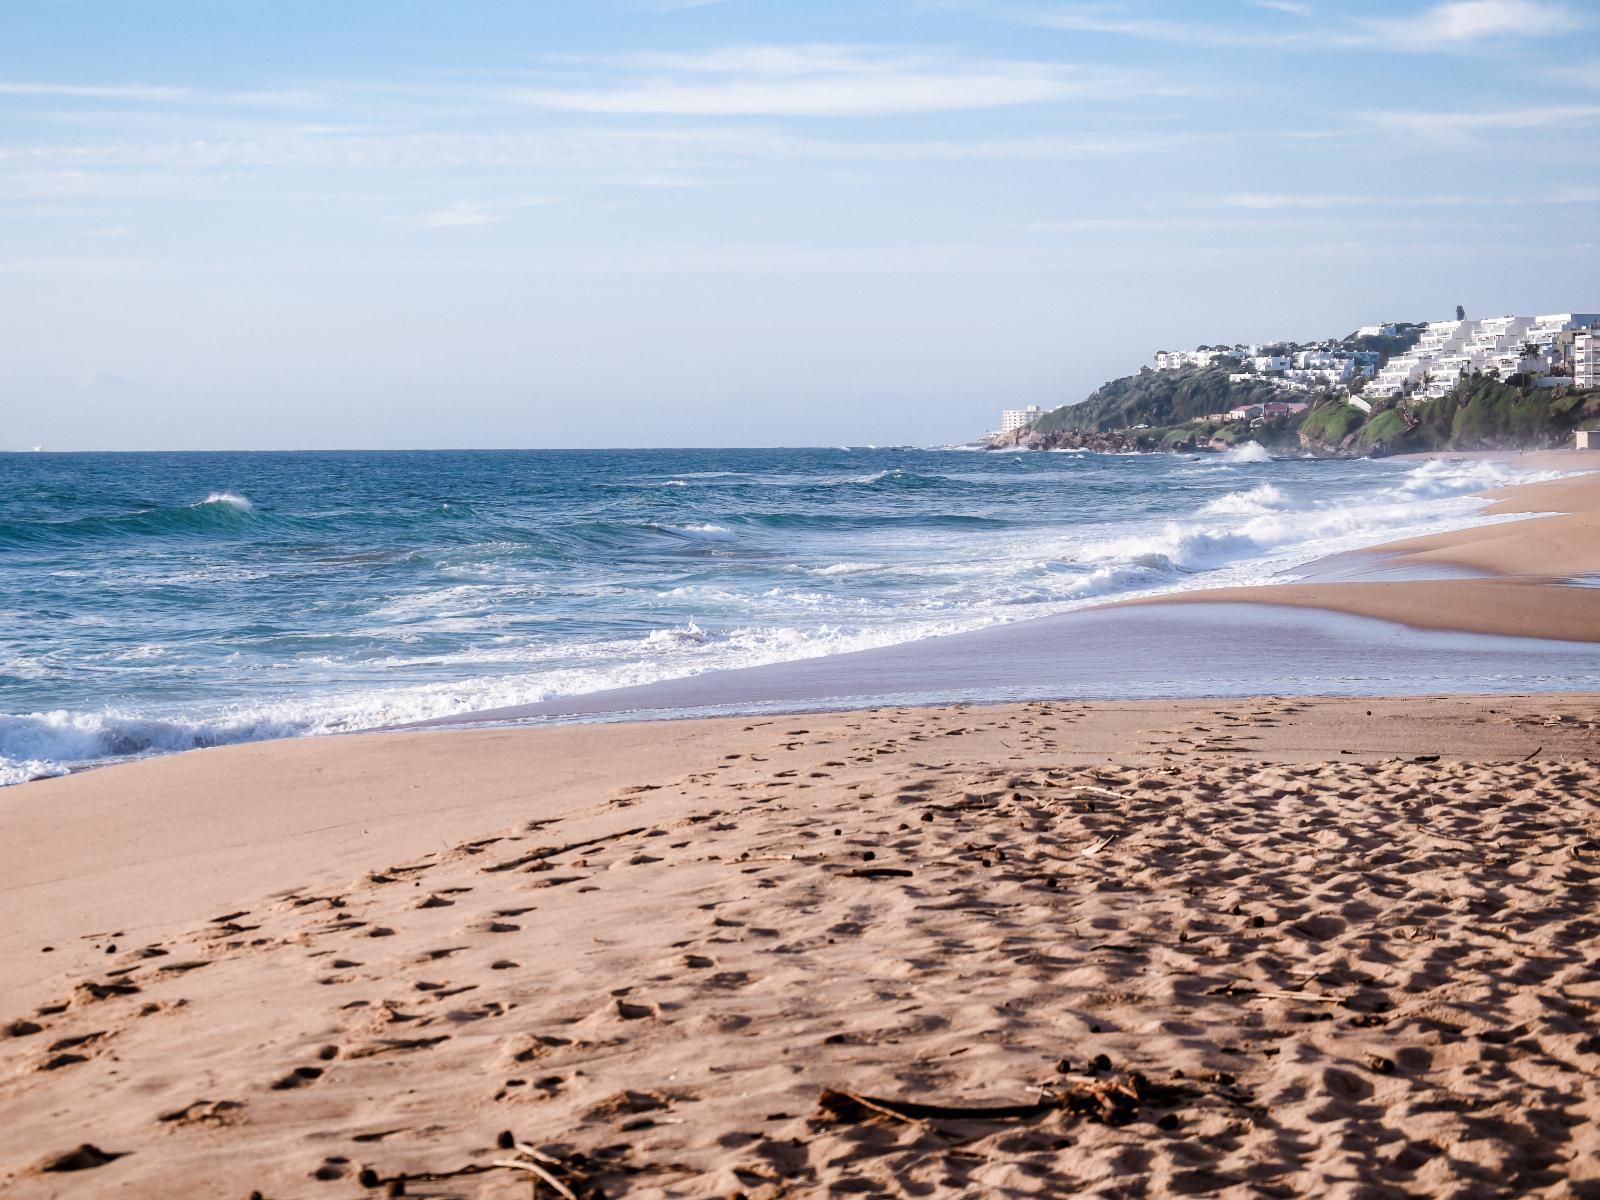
1320	947
1308	957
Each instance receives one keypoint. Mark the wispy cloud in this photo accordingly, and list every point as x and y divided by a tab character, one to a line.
827	81
470	214
1291	201
1475	20
74	91
1460	126
1442	27
95	168
1585	74
456	216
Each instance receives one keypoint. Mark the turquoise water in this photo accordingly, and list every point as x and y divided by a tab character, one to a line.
154	602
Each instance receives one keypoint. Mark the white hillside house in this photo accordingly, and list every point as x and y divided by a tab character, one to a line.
1013	419
1586	358
1504	346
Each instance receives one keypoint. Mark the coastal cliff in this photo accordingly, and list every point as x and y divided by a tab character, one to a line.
1179	411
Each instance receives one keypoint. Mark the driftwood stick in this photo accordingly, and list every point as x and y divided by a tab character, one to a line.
533	1152
1085	789
544	852
536	1169
840	1103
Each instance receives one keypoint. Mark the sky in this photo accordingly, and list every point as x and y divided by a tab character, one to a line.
284	224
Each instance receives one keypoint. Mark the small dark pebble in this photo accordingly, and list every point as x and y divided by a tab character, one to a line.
1169	1122
1064	1066
1101	1063
926	816
506	1140
868	855
1382	1065
1258	922
368	1178
328	1052
397	1186
112	948
1095	1029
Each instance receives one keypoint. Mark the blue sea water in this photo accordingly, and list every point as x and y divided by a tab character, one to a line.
155	602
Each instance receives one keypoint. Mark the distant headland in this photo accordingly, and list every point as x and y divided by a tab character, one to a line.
1505	382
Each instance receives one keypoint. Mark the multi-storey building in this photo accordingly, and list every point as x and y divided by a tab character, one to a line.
1448	350
1586	358
1172	360
1013	419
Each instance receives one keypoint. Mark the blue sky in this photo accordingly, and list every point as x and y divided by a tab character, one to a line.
281	223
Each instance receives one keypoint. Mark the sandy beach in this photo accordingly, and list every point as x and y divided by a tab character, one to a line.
1267	947
1519	561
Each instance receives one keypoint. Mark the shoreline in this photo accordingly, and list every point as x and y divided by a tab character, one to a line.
1515	572
1473	580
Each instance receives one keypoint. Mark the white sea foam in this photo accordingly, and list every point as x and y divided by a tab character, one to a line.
1246	452
689	635
1262	498
230	499
1455	477
844	568
704	531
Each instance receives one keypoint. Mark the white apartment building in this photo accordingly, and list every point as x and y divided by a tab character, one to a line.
1172	360
1586	358
1448	350
1013	419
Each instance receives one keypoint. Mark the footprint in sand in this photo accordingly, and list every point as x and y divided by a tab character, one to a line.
85	1158
629	1011
298	1078
205	1112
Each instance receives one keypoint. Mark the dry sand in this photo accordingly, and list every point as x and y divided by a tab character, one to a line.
1265	948
1249	949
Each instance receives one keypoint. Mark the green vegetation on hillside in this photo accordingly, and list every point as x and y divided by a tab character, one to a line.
1158	399
1481	414
1490	413
1330	422
1167	409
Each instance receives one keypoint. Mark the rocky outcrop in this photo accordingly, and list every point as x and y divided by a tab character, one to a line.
1115	442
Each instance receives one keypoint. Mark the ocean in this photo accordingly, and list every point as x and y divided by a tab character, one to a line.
159	602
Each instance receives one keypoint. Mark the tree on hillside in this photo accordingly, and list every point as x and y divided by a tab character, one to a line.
1461	313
